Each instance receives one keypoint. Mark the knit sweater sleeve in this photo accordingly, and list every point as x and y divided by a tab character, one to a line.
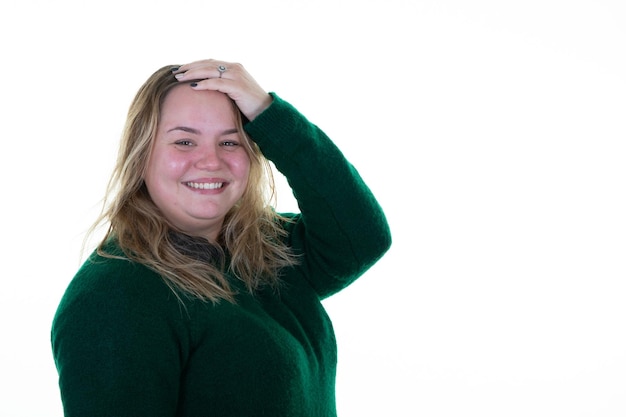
341	230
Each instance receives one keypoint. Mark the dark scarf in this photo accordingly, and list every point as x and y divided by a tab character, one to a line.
198	248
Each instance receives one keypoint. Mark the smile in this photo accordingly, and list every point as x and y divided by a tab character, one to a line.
205	185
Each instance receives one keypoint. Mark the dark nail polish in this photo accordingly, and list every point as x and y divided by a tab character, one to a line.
193	84
174	69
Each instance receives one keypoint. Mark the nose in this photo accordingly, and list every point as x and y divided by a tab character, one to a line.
208	158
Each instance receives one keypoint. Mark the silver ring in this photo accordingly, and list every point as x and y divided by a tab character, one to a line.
222	69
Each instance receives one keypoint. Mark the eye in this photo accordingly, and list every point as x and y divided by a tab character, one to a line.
184	142
230	143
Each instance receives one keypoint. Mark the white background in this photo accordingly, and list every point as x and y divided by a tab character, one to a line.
492	132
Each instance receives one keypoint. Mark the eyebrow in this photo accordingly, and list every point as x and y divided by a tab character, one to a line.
197	132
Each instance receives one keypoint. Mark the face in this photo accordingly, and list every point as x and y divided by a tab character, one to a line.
198	168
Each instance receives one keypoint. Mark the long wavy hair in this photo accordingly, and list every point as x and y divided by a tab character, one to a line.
252	236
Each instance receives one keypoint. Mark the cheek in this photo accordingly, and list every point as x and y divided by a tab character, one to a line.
162	170
175	167
167	166
241	165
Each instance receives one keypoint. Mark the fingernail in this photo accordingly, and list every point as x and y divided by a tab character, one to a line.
174	69
179	75
194	84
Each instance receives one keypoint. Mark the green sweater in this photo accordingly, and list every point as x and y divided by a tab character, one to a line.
125	346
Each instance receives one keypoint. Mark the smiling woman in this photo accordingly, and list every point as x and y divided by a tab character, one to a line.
202	299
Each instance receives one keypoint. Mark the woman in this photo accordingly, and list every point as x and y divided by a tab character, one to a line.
201	300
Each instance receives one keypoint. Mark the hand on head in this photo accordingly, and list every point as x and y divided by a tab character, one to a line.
229	78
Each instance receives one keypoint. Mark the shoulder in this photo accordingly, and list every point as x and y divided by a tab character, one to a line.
106	275
114	287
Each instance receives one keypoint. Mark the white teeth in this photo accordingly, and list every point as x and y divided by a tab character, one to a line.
205	185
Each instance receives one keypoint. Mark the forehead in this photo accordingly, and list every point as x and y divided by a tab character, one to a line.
182	101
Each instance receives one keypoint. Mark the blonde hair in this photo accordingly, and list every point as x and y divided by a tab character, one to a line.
252	233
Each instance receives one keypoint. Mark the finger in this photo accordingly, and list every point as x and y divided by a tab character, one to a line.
215	84
195	64
207	69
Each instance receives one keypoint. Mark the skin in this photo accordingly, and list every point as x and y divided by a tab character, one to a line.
199	167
